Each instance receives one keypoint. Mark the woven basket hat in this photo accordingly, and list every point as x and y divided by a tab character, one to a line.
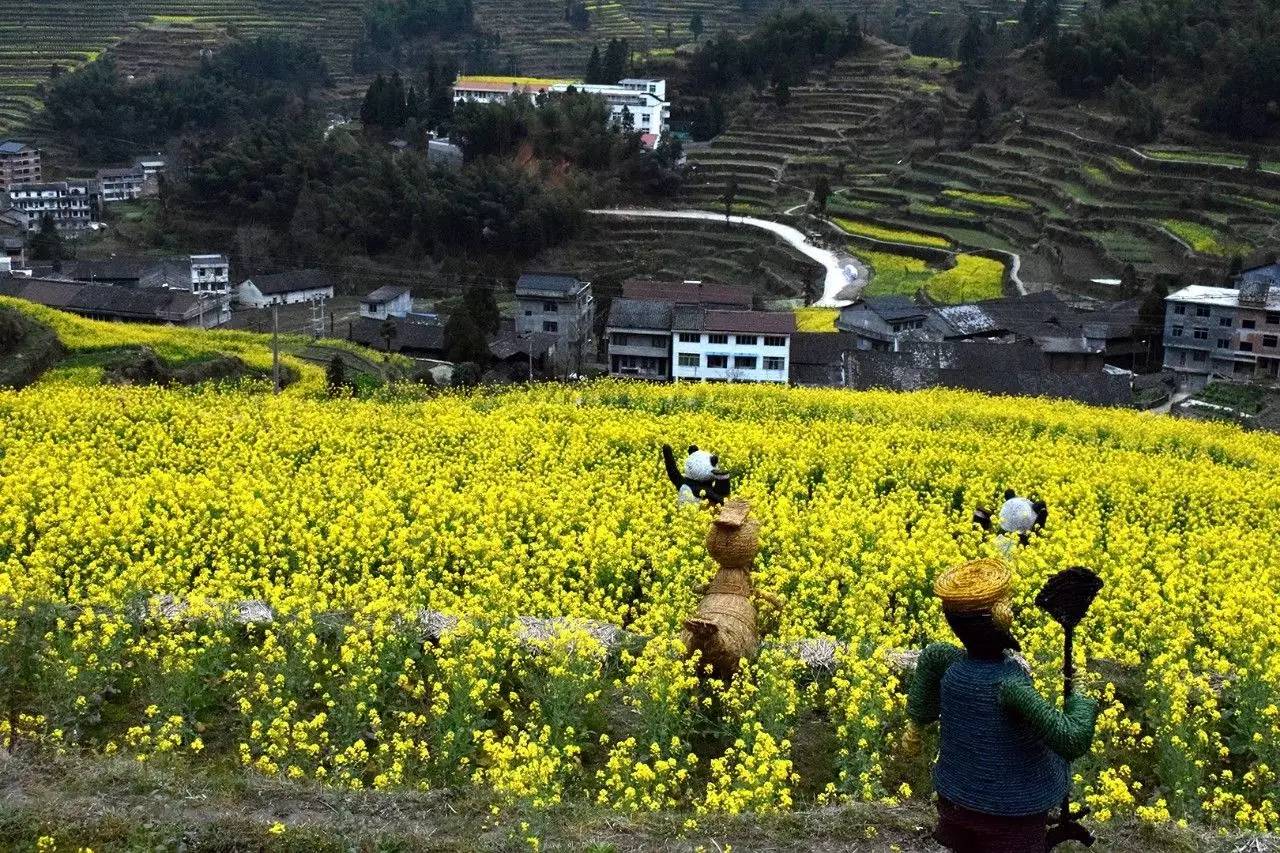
975	587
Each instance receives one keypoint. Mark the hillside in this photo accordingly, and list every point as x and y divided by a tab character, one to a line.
357	592
1048	182
88	353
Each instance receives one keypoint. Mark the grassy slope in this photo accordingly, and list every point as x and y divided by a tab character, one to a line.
120	805
90	344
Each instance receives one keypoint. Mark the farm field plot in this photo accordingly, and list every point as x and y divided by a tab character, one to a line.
126	543
35	34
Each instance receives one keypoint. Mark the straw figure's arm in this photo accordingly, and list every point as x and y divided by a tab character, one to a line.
925	695
1068	732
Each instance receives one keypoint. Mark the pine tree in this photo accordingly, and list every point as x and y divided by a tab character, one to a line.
695	25
369	109
980	115
46	244
594	70
335	375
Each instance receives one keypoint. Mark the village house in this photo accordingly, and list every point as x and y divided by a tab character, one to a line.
68	203
877	322
417	336
286	288
115	185
635	105
708	294
19	164
736	346
1226	332
391	300
639	338
559	308
116	302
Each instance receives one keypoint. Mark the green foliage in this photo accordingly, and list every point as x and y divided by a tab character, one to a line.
482	307
390	105
788	45
464	340
335	375
389	23
106	118
46	244
1142	119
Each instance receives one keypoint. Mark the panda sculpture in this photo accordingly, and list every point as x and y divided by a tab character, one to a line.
1018	516
701	479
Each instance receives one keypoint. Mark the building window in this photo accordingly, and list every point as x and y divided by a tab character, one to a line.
528	313
1224	321
549	307
618	340
690	338
720	361
1198	356
747	340
1246	346
775	341
1202	311
717	339
1176	331
1200	334
1224	343
1179	308
550	326
744	362
1269	340
1248	324
689	359
774	363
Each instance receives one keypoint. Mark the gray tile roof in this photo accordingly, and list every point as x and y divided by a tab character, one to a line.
387	293
640	314
894	308
690	293
291	281
13	146
413	337
552	283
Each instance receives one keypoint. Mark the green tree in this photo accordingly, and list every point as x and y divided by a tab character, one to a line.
46	244
782	92
594	71
464	341
481	305
974	47
387	331
695	25
730	196
821	192
335	375
979	115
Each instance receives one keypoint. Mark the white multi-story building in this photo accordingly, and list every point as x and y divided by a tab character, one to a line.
210	274
735	346
120	184
634	104
68	203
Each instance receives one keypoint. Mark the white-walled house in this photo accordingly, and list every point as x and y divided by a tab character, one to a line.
210	274
391	300
285	288
735	346
634	104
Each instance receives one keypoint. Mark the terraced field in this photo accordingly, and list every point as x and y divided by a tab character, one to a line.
617	249
1048	185
537	39
36	34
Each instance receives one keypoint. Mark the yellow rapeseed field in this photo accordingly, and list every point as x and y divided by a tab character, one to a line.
349	517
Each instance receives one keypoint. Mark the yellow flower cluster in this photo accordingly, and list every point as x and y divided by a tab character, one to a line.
136	523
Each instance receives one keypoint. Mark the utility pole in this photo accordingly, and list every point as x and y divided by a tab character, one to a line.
275	344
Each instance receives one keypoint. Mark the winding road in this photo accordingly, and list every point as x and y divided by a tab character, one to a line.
846	275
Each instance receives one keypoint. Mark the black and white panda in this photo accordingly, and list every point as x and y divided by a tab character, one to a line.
701	479
1018	516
